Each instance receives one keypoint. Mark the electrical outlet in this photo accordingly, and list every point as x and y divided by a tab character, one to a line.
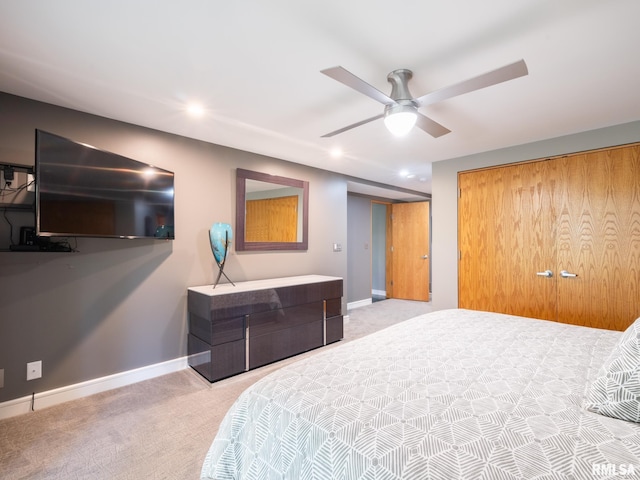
34	370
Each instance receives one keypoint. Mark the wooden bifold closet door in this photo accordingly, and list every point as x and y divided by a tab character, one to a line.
521	225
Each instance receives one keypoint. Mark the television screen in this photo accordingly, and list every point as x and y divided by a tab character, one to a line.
83	191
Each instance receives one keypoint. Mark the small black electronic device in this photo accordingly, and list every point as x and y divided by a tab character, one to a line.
27	236
24	248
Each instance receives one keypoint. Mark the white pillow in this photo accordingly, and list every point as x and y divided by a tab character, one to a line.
616	392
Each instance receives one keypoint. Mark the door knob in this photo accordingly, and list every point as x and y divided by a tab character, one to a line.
546	273
424	257
566	274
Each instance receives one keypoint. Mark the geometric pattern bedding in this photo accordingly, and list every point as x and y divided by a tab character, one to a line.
453	394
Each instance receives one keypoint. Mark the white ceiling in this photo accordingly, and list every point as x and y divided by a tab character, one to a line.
255	66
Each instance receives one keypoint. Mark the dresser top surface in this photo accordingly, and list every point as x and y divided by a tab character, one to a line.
227	288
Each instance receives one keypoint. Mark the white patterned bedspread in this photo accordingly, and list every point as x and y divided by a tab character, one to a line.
454	394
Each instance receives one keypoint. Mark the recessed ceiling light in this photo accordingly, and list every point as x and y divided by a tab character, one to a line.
195	110
411	175
336	152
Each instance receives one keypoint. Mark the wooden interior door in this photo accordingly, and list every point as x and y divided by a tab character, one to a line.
408	239
531	239
506	228
478	266
599	239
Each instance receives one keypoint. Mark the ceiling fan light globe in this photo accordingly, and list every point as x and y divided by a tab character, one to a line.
400	123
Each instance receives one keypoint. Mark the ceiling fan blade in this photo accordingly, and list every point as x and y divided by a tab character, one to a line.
349	127
499	75
350	80
432	127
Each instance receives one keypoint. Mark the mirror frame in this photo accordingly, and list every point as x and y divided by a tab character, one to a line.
241	245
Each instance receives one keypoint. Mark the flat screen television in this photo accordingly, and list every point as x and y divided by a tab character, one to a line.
82	191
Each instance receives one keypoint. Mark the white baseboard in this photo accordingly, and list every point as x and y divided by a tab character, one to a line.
379	293
49	398
359	303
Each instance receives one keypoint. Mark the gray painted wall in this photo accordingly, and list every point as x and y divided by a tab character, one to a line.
378	246
359	246
118	305
445	198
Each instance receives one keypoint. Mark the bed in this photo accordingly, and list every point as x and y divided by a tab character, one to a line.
446	395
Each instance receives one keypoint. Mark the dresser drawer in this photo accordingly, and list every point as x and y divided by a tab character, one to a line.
216	362
216	332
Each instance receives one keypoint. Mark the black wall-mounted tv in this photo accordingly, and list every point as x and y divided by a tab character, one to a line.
82	191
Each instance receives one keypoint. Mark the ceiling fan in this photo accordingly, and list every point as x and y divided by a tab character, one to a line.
401	109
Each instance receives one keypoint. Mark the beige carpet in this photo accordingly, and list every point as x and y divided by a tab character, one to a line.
157	429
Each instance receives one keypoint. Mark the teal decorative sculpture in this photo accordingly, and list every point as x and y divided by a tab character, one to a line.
220	236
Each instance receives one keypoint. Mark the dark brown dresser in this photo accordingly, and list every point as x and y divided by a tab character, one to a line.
233	329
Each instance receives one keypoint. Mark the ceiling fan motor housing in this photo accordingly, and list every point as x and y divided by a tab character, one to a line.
399	80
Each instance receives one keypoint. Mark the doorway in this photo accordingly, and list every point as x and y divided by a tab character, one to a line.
367	270
400	251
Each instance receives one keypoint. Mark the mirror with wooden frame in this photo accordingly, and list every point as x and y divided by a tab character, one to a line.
271	212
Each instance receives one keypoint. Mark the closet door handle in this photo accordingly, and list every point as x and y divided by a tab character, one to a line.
424	257
566	274
546	273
